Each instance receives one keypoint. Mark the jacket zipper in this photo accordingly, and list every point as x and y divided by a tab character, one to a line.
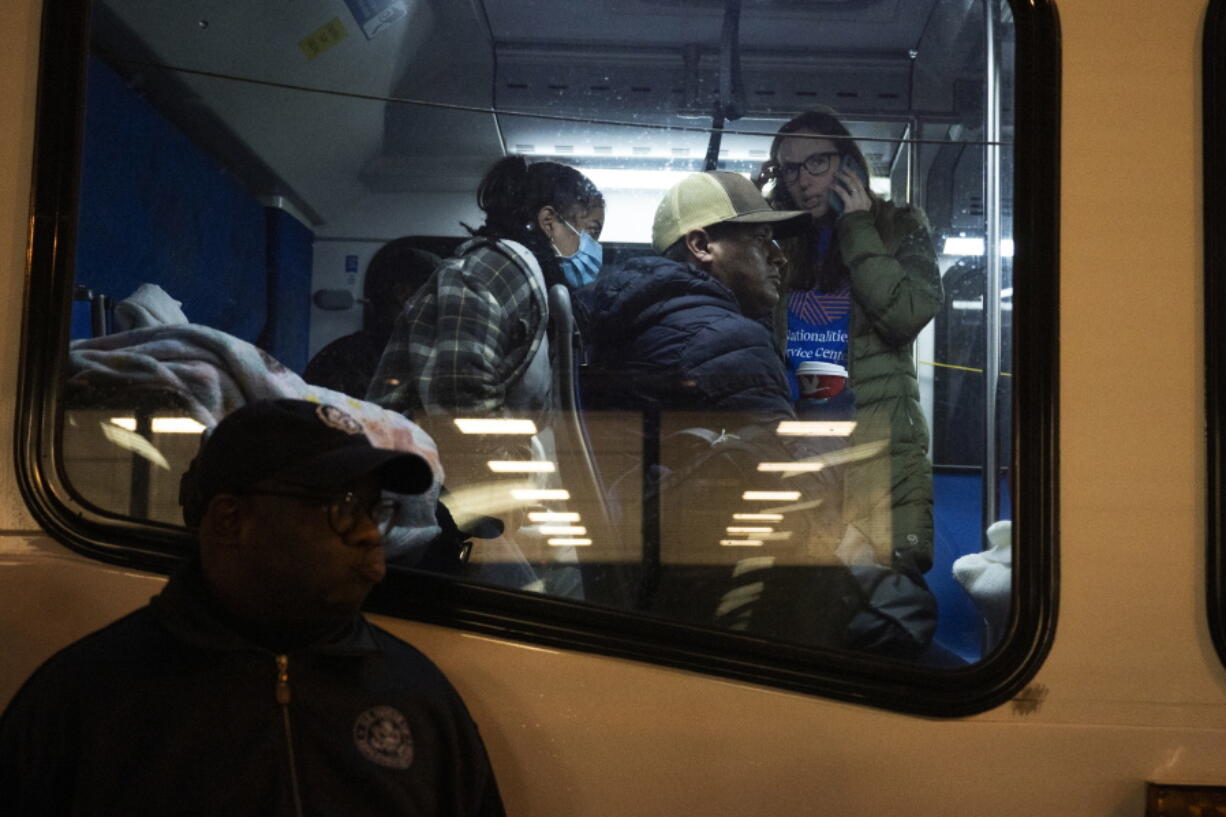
282	694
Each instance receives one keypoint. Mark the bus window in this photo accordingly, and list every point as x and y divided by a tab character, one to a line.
1215	307
783	443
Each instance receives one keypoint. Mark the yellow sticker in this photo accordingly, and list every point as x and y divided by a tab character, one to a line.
323	38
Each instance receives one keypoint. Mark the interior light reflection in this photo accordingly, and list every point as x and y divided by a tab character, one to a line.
137	444
478	425
564	541
973	245
521	466
553	516
162	425
799	467
541	493
771	496
816	428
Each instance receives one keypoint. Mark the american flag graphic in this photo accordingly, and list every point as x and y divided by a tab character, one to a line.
817	308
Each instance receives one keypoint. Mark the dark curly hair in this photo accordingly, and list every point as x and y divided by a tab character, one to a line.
513	193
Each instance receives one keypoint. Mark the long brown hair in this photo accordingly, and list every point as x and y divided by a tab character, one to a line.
805	269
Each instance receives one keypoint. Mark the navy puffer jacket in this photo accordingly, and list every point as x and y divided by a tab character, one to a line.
666	334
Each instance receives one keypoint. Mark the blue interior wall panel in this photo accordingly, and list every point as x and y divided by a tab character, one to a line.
958	511
81	325
154	208
287	334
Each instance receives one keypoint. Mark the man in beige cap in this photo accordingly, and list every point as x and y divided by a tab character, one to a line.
685	331
683	338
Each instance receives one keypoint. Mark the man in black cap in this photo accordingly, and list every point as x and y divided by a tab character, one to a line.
251	684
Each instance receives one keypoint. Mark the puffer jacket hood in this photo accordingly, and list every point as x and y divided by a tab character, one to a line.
678	339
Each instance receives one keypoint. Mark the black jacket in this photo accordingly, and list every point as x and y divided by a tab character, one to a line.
671	336
347	364
171	711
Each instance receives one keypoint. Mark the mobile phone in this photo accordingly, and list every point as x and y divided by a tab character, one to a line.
851	163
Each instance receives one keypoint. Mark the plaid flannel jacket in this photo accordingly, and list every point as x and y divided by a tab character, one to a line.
466	337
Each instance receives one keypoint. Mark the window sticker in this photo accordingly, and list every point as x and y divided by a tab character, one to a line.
323	38
373	16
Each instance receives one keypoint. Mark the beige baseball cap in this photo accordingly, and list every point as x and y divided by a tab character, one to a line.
702	199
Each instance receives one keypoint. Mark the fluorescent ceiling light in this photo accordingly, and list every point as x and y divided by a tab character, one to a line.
771	496
741	543
563	542
810	428
553	516
750	529
521	467
976	305
540	493
661	179
495	426
608	178
758	517
972	245
563	530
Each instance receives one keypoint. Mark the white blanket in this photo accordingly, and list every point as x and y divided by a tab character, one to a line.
213	373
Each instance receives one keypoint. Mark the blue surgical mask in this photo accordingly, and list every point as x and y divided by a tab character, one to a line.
582	268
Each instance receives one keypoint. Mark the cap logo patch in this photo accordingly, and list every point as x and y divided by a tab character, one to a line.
382	735
333	417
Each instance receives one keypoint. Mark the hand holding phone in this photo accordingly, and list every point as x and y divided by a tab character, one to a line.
768	171
850	165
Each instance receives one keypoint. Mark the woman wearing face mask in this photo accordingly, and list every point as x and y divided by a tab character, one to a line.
581	267
473	341
862	282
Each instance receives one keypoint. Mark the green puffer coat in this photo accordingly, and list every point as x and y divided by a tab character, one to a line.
896	291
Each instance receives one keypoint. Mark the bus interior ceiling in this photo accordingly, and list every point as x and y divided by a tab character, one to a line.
331	133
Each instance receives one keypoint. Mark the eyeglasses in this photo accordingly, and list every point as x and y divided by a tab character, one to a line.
815	165
345	511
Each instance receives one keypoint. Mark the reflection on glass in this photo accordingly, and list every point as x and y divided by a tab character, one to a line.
163	425
771	496
791	467
521	467
261	248
573	530
495	426
816	428
553	516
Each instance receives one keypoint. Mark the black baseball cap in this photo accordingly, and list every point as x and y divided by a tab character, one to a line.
311	445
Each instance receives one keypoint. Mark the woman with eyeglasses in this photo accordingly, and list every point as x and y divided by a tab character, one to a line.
861	283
